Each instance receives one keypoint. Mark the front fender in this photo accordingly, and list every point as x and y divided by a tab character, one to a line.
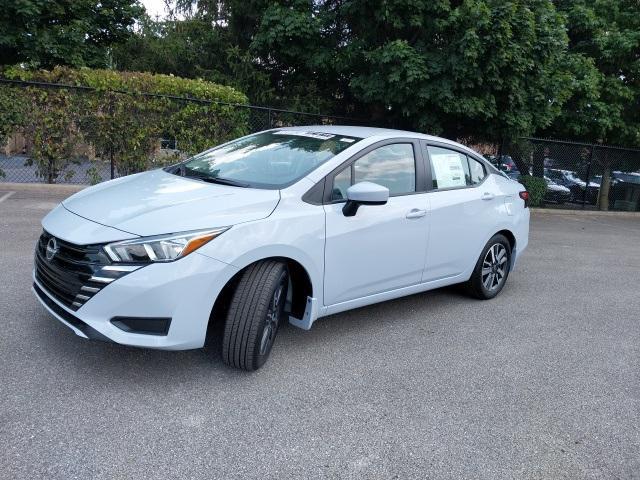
298	236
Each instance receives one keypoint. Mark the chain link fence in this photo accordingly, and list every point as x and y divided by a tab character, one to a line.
55	133
577	175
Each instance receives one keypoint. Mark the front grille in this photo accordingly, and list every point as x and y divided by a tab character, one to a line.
69	276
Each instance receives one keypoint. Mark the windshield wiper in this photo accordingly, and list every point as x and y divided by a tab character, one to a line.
219	180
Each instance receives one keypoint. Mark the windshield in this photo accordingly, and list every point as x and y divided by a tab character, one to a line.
266	160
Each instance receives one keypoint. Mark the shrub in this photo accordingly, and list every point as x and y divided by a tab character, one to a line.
122	115
537	188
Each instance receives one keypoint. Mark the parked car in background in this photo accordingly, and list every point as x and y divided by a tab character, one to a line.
624	191
290	223
620	177
503	163
556	193
575	184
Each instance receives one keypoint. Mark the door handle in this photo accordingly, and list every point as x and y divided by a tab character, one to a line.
416	213
487	196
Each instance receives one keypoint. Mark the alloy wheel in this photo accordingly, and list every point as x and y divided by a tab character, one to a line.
494	267
273	318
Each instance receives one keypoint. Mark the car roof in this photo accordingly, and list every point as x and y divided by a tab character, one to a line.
382	133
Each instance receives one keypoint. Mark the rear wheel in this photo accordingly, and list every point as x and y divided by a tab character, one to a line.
254	315
492	269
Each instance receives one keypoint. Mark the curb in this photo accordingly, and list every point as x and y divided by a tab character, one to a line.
22	187
584	213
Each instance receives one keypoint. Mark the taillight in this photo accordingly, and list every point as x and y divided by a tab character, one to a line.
525	196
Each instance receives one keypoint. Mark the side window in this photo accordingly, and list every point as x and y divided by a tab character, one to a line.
449	168
341	182
393	166
477	170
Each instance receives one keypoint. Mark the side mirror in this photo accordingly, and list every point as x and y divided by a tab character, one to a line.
364	193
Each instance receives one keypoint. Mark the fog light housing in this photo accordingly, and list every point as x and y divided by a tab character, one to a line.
142	325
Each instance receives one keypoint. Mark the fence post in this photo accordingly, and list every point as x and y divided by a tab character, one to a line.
269	117
586	185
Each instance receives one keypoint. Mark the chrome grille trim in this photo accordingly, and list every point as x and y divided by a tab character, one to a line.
101	279
74	269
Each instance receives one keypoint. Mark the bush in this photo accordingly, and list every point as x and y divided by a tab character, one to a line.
122	115
537	188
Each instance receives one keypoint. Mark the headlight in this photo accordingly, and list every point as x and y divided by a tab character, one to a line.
160	248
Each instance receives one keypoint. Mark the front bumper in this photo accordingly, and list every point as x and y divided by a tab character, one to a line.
183	291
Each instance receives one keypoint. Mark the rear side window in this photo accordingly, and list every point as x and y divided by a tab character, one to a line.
452	169
392	166
449	169
477	171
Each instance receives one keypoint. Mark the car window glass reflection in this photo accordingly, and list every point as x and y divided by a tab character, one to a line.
392	166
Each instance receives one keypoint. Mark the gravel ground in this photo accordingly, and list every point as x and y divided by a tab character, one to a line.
541	382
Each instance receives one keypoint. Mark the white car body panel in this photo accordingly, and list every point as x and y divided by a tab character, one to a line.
380	248
81	231
461	224
147	201
376	255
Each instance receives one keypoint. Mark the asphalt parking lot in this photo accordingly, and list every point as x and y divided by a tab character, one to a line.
542	382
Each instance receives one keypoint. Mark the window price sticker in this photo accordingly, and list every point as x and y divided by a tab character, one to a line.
448	170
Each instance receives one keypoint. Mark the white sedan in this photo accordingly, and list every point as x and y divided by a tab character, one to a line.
294	223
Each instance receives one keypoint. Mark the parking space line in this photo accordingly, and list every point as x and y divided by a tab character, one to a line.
5	196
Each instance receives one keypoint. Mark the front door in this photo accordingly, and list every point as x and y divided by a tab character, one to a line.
382	247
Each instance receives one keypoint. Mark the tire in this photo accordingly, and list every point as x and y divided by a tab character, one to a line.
485	284
254	315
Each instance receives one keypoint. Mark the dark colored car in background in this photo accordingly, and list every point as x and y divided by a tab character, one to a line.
575	184
557	193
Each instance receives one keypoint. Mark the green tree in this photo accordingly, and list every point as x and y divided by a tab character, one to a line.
480	68
605	104
486	69
192	47
490	69
45	33
122	115
50	126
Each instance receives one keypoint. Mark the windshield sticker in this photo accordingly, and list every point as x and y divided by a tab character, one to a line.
302	133
348	140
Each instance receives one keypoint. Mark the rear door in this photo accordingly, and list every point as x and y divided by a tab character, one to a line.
464	205
382	247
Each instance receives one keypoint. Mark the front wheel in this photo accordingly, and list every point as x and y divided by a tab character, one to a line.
492	269
254	315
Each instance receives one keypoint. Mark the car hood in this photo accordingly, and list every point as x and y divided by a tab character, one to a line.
157	202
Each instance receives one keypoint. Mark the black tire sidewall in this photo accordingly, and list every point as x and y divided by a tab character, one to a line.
246	316
258	358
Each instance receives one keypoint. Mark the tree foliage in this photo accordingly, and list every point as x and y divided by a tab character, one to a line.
45	33
537	188
122	116
489	70
605	103
483	68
